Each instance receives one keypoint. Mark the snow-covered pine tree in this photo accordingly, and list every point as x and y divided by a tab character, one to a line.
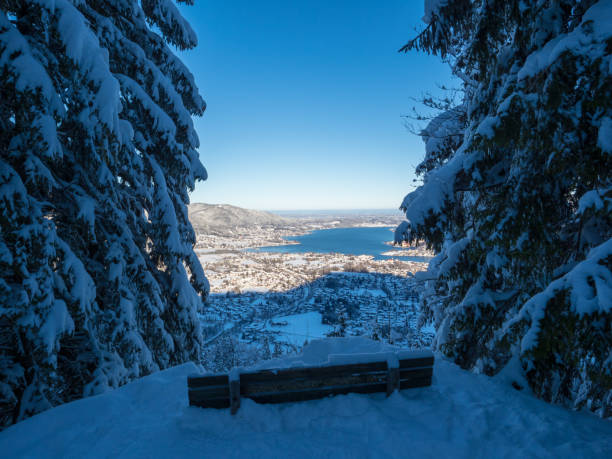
99	282
517	193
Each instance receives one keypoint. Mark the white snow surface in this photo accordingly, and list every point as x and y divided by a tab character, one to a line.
589	285
462	415
594	30
300	328
331	351
604	138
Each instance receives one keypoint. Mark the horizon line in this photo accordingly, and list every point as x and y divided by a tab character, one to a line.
299	209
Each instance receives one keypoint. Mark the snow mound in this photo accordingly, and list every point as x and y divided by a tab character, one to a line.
318	352
461	415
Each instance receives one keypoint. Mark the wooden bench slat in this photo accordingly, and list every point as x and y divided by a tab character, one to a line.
248	387
415	373
202	399
211	391
310	372
414	363
203	381
303	395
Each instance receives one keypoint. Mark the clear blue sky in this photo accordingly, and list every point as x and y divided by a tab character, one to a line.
305	101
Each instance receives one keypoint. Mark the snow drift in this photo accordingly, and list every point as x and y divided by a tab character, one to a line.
461	415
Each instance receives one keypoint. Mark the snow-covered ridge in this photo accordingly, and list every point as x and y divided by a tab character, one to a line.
207	218
341	351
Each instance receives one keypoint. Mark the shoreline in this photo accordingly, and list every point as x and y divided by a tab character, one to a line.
418	251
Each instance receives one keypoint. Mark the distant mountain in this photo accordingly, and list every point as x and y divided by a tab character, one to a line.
218	218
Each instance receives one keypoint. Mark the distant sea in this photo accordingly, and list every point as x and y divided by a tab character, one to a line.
349	241
337	212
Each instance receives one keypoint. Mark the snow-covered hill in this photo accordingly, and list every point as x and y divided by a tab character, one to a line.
460	415
218	218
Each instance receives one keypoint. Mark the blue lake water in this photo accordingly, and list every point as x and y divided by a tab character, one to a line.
350	241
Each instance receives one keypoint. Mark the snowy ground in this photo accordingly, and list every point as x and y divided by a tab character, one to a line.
299	328
461	415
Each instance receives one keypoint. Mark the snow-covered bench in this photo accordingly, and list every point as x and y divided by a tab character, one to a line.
341	374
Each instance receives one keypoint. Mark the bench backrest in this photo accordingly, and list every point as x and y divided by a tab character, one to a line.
383	372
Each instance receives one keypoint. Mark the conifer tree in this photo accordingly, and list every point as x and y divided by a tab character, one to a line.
517	193
99	282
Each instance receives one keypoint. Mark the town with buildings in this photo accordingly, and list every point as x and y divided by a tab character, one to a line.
265	304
